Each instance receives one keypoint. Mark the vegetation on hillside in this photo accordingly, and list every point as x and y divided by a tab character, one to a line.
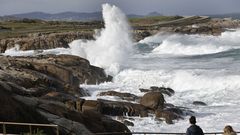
21	28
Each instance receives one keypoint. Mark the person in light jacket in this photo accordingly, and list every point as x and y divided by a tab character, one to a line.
194	129
228	130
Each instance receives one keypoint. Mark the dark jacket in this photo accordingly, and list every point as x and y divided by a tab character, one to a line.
194	130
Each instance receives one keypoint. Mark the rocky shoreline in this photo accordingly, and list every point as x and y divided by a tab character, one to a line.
45	89
188	25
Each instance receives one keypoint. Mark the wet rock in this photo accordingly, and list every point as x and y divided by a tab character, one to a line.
153	100
128	123
124	96
116	108
199	103
167	115
163	90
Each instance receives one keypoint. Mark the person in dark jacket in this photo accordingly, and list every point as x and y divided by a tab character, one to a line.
194	129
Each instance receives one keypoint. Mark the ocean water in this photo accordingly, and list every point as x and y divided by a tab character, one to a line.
198	67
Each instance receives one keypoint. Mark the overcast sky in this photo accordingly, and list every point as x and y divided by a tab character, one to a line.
167	7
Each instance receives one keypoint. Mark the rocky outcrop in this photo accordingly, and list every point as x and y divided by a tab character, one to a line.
152	102
43	89
54	69
187	25
123	96
36	41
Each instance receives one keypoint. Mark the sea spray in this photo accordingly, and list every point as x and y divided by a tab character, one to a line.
179	44
112	47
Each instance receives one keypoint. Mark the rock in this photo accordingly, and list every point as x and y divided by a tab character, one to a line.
163	90
67	126
45	89
128	123
43	41
91	105
14	111
59	96
87	121
175	110
115	126
199	103
116	108
153	100
39	75
167	115
124	96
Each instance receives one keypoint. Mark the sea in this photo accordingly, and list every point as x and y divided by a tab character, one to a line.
198	67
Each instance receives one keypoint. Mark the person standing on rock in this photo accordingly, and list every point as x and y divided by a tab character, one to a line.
194	129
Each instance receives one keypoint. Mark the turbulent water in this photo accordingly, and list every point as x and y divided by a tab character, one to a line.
112	45
197	67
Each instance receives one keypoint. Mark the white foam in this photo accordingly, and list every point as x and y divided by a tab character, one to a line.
112	46
194	44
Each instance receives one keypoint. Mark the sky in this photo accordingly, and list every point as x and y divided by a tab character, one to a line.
141	7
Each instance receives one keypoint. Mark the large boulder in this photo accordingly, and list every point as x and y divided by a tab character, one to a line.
153	100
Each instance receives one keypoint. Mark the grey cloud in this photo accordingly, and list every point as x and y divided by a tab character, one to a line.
169	7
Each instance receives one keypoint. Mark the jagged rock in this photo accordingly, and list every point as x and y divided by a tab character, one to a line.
199	103
153	100
124	96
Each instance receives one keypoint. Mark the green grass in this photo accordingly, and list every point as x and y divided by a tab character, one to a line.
23	27
152	20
